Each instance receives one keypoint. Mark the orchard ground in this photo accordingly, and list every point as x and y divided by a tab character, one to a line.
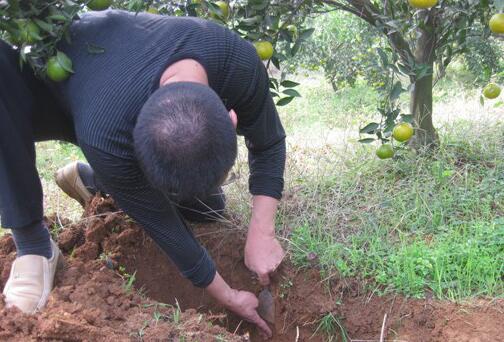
365	236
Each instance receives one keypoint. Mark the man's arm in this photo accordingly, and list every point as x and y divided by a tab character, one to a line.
166	227
263	252
122	178
259	122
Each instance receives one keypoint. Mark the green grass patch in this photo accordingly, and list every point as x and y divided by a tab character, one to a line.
321	106
420	223
52	155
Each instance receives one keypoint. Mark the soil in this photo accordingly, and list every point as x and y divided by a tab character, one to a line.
91	301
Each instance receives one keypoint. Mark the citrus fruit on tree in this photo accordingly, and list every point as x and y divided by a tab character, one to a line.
385	151
99	5
403	132
59	67
292	29
152	10
497	23
264	49
491	91
423	3
224	8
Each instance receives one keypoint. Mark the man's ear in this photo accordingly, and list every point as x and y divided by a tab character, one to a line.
234	118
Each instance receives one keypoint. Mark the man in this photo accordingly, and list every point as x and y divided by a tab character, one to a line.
156	115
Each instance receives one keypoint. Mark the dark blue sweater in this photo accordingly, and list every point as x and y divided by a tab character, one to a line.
108	89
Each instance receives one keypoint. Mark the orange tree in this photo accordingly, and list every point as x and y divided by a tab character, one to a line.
423	37
276	28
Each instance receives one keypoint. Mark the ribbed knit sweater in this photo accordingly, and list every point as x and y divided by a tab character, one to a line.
118	58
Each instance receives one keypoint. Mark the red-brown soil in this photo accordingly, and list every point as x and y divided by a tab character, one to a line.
90	302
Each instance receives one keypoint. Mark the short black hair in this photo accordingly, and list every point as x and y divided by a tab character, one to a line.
184	140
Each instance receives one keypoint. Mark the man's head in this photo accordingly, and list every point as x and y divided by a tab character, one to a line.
185	140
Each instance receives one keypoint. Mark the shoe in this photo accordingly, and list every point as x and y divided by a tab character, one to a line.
69	180
31	280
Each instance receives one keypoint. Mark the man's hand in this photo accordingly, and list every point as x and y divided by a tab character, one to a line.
245	305
263	255
242	303
263	252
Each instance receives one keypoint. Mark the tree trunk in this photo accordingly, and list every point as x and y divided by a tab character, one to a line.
421	108
421	92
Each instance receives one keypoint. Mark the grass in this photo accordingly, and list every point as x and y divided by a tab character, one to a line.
420	223
414	225
332	328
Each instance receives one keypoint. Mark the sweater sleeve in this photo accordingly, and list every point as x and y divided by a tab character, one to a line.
123	179
259	122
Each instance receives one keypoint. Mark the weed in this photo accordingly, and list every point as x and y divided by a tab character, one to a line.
177	312
128	279
330	326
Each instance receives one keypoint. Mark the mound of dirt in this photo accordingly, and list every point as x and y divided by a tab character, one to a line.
93	301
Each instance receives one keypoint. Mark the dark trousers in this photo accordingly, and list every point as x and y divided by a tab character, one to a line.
28	113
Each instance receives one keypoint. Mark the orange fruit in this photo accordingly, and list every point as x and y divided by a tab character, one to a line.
423	3
491	91
497	23
99	5
224	7
403	132
385	151
59	67
264	49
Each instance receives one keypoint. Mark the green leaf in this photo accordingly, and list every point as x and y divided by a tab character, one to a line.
44	26
305	34
251	21
289	84
296	47
396	91
369	128
383	57
253	35
284	101
273	83
275	62
367	140
407	118
291	92
57	17
258	4
64	61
